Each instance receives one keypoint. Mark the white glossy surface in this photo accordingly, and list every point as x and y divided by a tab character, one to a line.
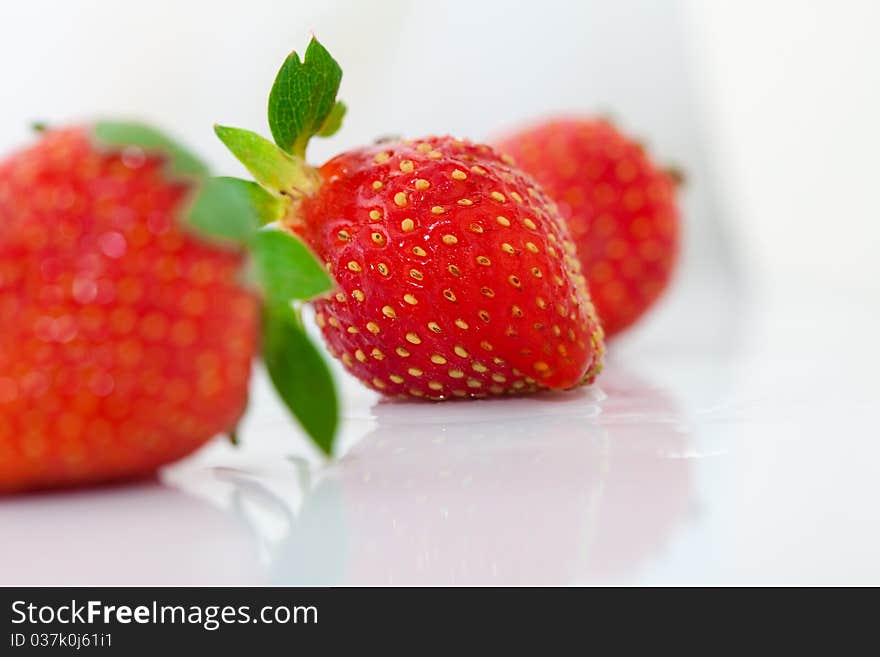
737	448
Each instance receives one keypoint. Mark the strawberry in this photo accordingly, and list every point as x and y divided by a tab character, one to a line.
453	271
456	276
620	207
126	333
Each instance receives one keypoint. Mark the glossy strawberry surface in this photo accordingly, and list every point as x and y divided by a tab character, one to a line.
125	341
456	276
620	207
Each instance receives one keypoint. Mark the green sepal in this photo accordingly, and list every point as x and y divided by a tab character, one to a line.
267	207
333	121
303	98
280	173
121	133
300	375
286	269
232	209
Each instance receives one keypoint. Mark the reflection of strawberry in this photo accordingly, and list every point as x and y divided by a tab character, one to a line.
620	207
554	489
648	490
456	276
125	338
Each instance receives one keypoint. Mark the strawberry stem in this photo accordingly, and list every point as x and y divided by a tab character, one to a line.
280	173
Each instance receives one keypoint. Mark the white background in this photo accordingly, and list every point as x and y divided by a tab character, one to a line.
762	360
782	96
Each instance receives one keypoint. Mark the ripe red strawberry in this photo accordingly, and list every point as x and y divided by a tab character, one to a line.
125	338
456	276
454	272
620	207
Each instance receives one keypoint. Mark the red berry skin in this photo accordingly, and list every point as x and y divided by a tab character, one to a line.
125	342
455	274
620	207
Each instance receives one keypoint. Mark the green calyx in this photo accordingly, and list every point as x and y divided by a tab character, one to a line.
301	375
302	105
245	214
303	102
280	173
287	274
129	133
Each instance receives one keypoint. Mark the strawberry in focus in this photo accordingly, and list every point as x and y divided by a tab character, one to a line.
620	207
456	276
126	331
455	273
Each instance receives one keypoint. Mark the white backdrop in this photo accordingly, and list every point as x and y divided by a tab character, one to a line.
467	68
771	107
791	91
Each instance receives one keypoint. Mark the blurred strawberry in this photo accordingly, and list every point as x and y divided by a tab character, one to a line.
621	209
126	332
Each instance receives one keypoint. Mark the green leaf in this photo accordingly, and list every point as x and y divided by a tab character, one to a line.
268	208
286	269
231	208
300	375
274	169
333	121
118	133
303	97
